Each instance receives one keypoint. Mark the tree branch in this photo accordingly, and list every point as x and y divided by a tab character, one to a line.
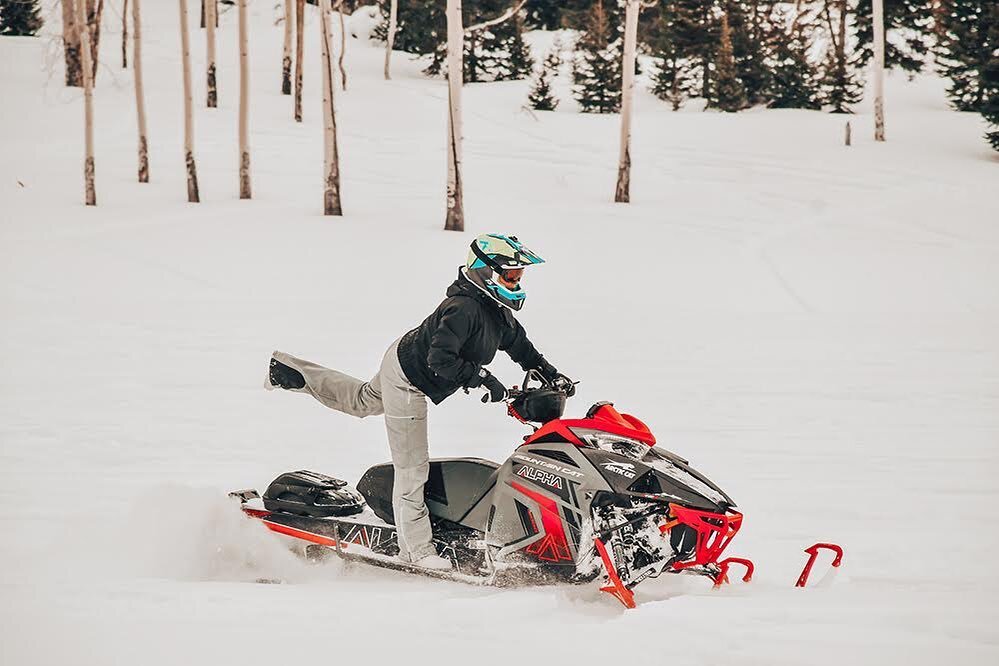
499	19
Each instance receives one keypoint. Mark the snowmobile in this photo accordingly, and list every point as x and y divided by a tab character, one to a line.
577	500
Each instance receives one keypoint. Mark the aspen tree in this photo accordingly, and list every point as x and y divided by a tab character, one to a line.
286	52
124	35
390	37
210	10
879	69
140	102
622	193
71	43
192	172
299	47
244	95
88	107
455	219
331	158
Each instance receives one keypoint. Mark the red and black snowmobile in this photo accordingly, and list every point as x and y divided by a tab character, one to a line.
577	500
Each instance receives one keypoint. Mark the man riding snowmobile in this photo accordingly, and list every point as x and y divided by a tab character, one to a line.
448	351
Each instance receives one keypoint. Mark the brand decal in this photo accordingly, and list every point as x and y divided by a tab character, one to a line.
564	471
627	470
544	477
369	537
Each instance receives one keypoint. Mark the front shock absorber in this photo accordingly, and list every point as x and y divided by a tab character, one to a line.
623	544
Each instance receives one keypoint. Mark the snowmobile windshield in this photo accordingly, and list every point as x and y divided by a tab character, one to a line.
607	441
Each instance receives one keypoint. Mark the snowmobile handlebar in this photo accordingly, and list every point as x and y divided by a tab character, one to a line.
561	383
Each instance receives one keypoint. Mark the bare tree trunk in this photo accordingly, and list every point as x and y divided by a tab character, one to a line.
210	8
140	102
244	105
455	220
299	47
286	57
95	12
622	192
71	43
192	172
88	109
331	158
390	38
879	69
343	47
124	35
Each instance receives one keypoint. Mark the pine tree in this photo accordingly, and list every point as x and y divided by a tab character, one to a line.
908	33
20	18
840	89
675	79
541	96
728	93
964	50
596	69
496	53
750	27
510	57
793	84
990	81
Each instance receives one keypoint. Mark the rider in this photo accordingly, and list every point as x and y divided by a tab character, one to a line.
448	351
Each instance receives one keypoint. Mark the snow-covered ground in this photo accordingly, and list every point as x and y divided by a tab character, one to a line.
816	327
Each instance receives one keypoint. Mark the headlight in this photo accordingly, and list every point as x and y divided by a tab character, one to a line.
606	441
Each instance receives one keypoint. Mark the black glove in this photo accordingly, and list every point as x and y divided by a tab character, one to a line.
547	371
556	378
486	380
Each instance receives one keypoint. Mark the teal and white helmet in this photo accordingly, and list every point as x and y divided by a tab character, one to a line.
495	264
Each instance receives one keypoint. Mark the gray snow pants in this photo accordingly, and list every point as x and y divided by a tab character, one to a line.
405	408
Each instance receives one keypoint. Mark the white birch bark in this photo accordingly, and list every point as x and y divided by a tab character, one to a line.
390	38
286	53
455	220
185	46
244	104
140	100
622	192
879	69
124	35
90	192
331	159
299	47
210	12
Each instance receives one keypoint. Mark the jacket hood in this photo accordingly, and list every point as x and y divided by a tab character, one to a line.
462	286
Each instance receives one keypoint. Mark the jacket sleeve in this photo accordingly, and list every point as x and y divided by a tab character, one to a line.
444	356
520	349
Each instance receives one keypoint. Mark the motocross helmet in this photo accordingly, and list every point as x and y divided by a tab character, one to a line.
490	258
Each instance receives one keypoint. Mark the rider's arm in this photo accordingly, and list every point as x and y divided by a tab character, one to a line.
522	351
444	356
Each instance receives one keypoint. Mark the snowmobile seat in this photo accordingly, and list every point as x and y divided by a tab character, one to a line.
455	487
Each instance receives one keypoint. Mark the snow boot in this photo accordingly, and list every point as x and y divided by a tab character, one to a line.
434	562
284	376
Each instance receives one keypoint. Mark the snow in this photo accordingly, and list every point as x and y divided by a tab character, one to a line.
815	327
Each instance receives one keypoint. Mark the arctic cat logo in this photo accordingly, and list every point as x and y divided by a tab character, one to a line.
627	470
546	478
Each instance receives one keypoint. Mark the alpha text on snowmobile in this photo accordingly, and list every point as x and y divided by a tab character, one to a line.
578	499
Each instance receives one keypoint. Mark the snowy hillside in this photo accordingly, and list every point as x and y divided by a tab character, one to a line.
815	327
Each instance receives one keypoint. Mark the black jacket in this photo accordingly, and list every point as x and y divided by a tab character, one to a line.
446	351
